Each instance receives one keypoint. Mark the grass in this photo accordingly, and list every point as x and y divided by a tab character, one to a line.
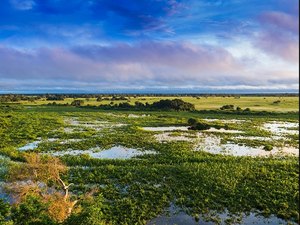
257	103
139	189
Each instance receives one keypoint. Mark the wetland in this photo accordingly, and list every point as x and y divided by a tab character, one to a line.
149	168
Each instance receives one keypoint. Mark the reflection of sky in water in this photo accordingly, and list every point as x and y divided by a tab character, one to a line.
116	152
181	218
281	127
30	146
212	144
165	128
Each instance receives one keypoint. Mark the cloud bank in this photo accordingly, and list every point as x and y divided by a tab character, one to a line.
163	44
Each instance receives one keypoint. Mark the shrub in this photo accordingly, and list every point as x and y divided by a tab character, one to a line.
268	147
77	103
192	121
227	107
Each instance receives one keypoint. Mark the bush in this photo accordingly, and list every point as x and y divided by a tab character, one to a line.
276	102
200	126
192	121
227	107
268	147
77	103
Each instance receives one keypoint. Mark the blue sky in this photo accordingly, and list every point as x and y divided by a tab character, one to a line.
105	45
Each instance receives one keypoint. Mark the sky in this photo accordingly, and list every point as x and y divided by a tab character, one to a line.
140	45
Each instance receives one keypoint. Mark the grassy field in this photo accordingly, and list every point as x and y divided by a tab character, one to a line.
138	189
254	103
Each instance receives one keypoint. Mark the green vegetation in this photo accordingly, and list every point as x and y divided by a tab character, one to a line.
287	103
136	190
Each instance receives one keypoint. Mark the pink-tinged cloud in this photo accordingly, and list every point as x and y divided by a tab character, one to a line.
161	62
280	35
149	64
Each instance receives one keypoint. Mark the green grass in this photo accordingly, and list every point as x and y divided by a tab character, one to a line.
139	189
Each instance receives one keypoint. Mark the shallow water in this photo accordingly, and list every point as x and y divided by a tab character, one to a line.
212	144
33	145
181	218
224	121
166	136
116	152
256	138
222	130
30	146
137	116
278	128
171	128
4	195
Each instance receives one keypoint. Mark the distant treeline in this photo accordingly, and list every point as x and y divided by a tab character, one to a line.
58	97
173	105
167	104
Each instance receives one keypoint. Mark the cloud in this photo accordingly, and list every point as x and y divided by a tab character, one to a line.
126	43
279	35
150	60
152	64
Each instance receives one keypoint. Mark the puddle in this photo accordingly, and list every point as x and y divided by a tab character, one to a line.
181	218
137	116
33	145
72	121
222	130
30	146
212	144
69	130
3	195
224	121
169	137
116	152
95	124
256	138
278	128
70	140
171	128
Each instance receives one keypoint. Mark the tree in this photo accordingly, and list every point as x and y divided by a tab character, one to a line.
77	103
39	180
175	104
